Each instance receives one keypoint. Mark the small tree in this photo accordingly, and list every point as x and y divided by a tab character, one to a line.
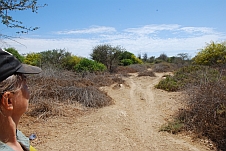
183	56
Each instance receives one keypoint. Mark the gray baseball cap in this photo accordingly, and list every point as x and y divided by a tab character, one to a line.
9	65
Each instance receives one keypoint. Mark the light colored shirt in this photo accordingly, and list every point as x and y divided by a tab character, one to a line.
21	138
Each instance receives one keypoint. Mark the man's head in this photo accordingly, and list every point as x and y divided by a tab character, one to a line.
14	93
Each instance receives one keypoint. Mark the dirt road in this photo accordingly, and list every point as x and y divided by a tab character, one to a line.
132	124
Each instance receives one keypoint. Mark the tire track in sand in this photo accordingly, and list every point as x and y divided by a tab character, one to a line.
131	124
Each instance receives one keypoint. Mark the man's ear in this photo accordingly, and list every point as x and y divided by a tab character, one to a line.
6	100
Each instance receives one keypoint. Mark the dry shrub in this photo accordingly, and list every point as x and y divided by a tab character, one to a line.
205	105
124	70
101	79
118	80
133	68
64	87
92	97
163	67
206	111
138	67
45	109
146	73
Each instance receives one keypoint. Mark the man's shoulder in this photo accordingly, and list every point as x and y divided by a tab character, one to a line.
23	140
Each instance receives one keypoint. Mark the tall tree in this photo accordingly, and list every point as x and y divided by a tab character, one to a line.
145	57
107	55
163	57
7	6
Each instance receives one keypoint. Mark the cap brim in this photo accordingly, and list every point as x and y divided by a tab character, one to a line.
28	69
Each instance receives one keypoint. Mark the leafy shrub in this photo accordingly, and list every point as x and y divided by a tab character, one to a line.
136	60
33	59
70	62
126	62
212	54
55	58
168	84
188	75
124	55
86	65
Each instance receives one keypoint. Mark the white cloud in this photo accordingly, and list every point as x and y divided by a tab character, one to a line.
203	30
92	30
80	47
149	39
149	29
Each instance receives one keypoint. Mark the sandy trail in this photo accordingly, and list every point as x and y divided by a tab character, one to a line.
132	124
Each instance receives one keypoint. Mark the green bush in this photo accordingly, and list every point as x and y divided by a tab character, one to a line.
59	59
212	54
188	75
70	62
86	65
136	60
33	59
173	127
54	58
168	84
124	55
126	62
15	53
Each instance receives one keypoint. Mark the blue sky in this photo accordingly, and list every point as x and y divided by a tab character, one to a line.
140	26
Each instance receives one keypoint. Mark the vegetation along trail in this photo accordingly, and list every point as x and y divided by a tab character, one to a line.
131	124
